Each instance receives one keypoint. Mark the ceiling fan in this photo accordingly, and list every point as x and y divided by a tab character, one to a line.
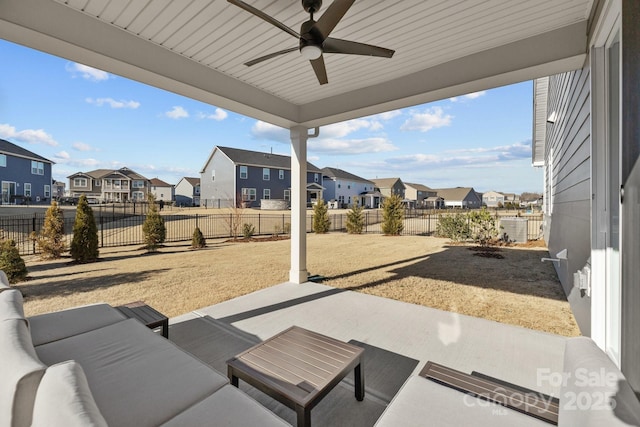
314	36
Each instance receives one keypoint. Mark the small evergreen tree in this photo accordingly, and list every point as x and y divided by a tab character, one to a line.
453	226
392	215
355	219
11	262
321	221
51	238
84	245
153	228
198	241
483	227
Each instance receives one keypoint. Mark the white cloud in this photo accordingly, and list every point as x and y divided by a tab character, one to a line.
62	155
86	72
263	130
30	136
81	146
113	103
431	118
218	115
177	113
468	96
350	146
78	163
389	115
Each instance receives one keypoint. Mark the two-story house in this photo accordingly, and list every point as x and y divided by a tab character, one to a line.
232	177
419	194
109	185
344	188
187	192
161	190
460	197
389	186
493	199
24	175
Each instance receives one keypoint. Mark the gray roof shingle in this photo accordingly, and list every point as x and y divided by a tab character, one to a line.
7	147
256	158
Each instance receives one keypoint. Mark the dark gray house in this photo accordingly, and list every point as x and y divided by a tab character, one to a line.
25	176
231	176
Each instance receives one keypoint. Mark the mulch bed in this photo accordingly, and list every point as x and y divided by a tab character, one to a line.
487	252
257	239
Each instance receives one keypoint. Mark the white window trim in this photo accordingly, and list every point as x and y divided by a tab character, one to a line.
3	160
266	193
246	172
266	174
47	191
26	188
281	174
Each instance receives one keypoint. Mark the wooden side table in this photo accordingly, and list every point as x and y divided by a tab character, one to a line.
298	368
148	315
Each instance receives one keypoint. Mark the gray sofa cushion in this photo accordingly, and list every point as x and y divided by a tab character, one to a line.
596	392
20	373
227	407
49	327
424	402
4	281
64	399
11	305
137	377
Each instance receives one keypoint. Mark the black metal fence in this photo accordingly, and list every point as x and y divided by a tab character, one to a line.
122	225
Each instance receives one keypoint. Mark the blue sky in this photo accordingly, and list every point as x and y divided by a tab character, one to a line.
84	119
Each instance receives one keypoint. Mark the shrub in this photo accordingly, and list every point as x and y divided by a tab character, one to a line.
198	241
392	215
277	230
11	262
84	245
483	227
355	219
153	228
287	228
51	238
453	226
321	221
248	230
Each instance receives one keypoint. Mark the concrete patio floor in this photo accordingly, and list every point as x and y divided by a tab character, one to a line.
399	338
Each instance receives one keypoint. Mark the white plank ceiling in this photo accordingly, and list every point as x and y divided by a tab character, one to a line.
198	48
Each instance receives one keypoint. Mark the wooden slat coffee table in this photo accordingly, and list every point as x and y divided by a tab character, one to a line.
298	368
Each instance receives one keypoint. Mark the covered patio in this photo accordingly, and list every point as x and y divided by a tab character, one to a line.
442	49
398	338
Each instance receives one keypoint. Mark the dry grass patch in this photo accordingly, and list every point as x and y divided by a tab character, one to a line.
518	289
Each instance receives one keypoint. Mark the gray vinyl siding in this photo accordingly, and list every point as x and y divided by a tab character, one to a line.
18	170
568	192
220	191
184	193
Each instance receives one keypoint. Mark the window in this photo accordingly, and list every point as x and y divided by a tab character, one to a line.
37	168
244	172
339	185
27	189
136	184
281	174
79	182
248	194
3	160
266	174
196	190
266	193
96	183
47	191
287	195
213	174
137	195
316	178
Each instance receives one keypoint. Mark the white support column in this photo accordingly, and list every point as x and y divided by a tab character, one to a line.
298	273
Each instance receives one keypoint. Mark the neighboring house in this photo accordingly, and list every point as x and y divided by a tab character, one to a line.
108	185
187	192
418	194
460	197
389	186
231	176
59	189
161	190
25	176
512	198
493	199
587	138
345	188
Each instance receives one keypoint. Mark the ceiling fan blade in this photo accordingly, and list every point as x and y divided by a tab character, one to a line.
331	45
262	15
320	70
332	16
269	56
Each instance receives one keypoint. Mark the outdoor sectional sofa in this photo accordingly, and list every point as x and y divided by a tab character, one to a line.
91	366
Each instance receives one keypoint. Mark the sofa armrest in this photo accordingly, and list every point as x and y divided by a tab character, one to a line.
595	392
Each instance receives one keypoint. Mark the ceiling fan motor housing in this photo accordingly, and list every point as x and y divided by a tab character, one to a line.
309	36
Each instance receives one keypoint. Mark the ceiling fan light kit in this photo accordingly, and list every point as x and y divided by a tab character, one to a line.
314	38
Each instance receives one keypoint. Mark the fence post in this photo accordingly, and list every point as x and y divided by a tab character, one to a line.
33	228
197	220
231	226
101	231
259	224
